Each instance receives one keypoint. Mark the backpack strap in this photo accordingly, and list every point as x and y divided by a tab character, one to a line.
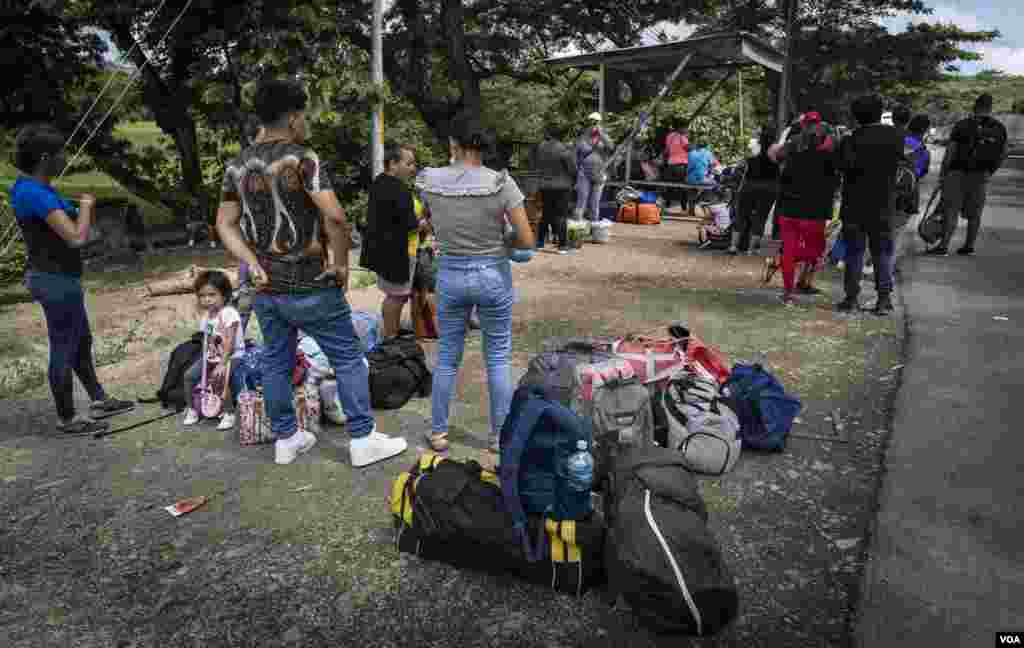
508	470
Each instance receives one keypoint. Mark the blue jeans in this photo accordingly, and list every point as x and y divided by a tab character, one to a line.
462	283
880	241
588	197
325	316
67	326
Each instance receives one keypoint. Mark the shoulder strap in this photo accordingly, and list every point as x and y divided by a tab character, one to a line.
206	333
508	471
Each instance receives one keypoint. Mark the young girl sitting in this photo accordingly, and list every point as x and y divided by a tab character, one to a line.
224	346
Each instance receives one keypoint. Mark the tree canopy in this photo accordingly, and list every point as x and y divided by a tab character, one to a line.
198	60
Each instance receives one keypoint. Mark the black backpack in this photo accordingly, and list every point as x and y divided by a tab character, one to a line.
906	193
398	371
172	391
660	556
984	150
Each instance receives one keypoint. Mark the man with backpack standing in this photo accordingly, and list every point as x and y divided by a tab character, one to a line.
977	148
869	159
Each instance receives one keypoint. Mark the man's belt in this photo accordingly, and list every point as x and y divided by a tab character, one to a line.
293	274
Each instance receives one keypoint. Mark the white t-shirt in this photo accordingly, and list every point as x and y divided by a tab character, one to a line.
218	333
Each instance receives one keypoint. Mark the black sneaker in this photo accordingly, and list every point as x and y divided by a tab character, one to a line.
938	251
883	306
109	407
848	305
965	251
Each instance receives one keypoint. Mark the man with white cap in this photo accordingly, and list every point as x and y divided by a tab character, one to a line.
593	147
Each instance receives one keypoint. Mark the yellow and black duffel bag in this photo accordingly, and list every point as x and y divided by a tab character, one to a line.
452	511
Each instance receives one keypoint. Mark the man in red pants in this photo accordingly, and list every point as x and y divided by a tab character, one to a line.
807	187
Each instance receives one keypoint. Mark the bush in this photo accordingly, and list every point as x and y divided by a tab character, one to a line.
1018	107
12	264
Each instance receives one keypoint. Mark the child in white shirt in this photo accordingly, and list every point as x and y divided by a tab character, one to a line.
224	347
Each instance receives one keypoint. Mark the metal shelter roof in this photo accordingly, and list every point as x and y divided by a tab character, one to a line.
718	50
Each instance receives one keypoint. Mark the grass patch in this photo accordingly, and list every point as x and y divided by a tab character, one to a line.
341	513
715	497
13	345
100	185
143	134
11	459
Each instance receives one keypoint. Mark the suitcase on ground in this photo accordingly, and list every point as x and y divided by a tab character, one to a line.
452	512
648	214
628	213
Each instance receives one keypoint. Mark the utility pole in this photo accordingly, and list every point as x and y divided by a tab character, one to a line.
377	73
782	112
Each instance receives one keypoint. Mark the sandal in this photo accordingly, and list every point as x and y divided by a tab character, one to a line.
437	442
82	426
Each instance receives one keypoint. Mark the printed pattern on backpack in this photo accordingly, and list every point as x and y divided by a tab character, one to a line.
253	422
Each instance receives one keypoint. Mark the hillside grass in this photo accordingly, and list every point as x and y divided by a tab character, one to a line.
141	134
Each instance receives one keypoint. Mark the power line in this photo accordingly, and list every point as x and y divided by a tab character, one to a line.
12	238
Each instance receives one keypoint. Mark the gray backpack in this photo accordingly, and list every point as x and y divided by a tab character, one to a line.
701	426
618	404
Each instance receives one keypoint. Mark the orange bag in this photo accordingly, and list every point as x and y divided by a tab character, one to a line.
648	214
628	213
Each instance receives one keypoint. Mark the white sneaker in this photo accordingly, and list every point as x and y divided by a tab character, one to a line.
286	450
375	447
191	417
227	422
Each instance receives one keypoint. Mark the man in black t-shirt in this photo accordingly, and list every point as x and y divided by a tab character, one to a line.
868	159
977	148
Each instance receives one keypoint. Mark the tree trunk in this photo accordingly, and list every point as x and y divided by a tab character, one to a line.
236	98
172	116
413	75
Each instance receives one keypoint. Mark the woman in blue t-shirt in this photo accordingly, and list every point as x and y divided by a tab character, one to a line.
54	231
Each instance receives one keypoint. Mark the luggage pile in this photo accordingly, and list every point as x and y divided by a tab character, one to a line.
596	484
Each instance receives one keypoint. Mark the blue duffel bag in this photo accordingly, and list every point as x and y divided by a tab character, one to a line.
765	410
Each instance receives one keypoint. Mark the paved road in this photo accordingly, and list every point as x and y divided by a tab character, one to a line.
946	563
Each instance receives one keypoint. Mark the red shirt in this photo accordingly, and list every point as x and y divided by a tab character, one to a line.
677	148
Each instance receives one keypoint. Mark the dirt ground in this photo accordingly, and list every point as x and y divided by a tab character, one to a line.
302	555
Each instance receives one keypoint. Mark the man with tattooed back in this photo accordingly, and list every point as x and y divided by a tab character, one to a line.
279	214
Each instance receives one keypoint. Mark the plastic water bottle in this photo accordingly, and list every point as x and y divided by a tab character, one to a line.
581	468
